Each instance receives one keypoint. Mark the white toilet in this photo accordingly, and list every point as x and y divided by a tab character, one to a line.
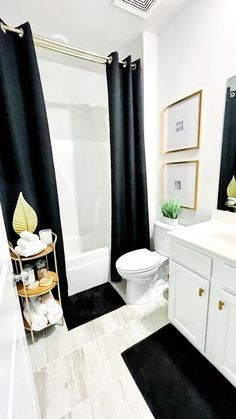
141	268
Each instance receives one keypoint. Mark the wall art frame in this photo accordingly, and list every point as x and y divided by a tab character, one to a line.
181	124
180	181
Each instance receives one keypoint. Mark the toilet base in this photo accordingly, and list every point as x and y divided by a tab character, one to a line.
138	293
144	293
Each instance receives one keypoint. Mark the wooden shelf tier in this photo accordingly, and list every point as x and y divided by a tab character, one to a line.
45	252
35	292
27	326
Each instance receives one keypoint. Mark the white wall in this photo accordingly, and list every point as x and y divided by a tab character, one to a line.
198	51
145	47
150	95
77	108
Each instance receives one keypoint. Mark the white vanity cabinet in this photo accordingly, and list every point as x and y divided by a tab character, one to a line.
188	303
221	332
226	361
202	303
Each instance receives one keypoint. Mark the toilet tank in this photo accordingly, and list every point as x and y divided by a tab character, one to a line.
161	237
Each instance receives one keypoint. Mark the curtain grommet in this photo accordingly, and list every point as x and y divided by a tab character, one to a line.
21	34
4	30
110	59
19	31
133	66
124	63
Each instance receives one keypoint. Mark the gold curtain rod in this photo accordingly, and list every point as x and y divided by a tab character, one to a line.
56	46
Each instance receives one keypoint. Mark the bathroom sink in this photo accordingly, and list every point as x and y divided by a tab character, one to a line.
224	239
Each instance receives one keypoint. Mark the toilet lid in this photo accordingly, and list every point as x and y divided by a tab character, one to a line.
139	260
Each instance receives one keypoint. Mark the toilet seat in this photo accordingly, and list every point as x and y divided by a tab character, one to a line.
141	260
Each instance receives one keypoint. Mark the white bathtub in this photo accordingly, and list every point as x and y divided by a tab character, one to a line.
88	269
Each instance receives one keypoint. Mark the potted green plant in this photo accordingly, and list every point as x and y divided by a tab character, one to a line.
170	210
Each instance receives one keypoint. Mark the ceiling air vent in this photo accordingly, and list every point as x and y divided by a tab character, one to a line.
141	8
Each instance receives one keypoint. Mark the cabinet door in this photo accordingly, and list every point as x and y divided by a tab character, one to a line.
226	307
188	303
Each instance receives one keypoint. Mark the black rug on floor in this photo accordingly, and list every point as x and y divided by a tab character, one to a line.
176	381
90	304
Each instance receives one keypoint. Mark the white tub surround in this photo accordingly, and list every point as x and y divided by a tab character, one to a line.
87	270
79	130
202	288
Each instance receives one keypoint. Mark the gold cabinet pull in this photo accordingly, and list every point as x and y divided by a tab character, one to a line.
201	292
221	305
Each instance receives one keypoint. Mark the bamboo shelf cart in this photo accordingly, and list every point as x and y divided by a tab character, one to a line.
26	293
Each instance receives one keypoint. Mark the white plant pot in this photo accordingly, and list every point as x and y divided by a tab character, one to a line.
170	221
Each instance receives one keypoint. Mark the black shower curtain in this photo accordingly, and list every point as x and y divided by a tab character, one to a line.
130	224
26	162
228	153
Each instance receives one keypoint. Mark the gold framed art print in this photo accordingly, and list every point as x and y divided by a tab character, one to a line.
180	181
181	124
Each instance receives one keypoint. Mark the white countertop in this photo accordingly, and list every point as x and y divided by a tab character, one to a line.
217	235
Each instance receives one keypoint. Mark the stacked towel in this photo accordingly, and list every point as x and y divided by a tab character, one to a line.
38	306
54	310
39	321
54	313
43	309
29	244
25	244
29	237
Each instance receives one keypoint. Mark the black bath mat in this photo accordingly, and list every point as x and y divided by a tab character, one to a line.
176	381
90	304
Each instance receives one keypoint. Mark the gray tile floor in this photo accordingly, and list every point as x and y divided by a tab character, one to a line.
80	374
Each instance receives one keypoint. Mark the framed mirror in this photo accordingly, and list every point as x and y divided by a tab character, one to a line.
227	182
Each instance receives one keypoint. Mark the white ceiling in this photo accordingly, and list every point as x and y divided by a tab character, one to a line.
96	25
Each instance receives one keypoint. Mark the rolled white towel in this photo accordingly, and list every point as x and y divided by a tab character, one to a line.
32	249
55	316
46	298
30	237
54	313
54	310
39	321
38	306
